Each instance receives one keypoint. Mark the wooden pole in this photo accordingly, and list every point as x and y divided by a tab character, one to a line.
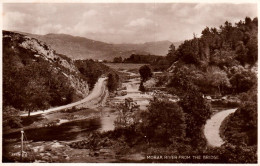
22	145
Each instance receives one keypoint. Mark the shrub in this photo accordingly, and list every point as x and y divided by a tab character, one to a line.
145	72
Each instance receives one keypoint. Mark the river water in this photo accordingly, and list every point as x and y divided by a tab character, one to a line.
132	90
78	130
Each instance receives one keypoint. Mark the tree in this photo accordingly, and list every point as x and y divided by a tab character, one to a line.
118	60
145	73
163	121
218	78
181	80
242	81
112	82
171	57
197	111
36	96
241	127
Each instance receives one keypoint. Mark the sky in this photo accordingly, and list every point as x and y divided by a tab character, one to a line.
123	23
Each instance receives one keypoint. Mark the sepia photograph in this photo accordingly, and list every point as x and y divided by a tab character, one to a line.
121	82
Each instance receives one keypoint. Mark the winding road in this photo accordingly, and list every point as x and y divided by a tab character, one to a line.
211	130
95	93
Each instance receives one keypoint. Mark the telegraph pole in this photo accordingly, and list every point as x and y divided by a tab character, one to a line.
22	132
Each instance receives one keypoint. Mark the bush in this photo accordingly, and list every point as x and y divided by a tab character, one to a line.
145	72
163	121
242	125
112	82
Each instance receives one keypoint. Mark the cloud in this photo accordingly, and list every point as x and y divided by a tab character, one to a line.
47	28
90	13
140	22
12	19
123	22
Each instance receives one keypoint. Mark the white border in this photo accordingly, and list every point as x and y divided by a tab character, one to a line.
114	1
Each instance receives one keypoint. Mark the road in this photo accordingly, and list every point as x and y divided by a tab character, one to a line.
211	130
95	93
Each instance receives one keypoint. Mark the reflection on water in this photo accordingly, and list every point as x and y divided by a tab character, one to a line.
64	132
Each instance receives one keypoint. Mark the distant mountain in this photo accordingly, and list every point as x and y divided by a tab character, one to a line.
155	48
82	48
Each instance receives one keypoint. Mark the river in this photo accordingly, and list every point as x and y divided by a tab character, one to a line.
78	130
132	90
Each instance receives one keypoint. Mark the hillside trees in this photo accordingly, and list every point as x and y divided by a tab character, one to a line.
31	82
242	81
218	78
242	125
241	38
197	110
91	71
221	49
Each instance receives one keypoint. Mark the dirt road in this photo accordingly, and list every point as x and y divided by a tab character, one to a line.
211	130
96	92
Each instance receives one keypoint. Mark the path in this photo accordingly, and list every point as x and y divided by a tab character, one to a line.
96	92
211	130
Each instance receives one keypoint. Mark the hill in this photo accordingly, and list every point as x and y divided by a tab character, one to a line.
82	48
156	48
36	77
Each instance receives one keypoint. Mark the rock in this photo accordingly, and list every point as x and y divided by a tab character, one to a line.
55	157
48	154
105	151
57	145
45	158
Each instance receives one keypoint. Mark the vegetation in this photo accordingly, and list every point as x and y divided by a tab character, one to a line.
197	110
145	73
241	129
127	111
36	78
158	63
30	82
220	61
93	70
163	122
113	81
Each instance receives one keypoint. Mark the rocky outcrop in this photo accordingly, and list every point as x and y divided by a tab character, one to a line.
59	64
